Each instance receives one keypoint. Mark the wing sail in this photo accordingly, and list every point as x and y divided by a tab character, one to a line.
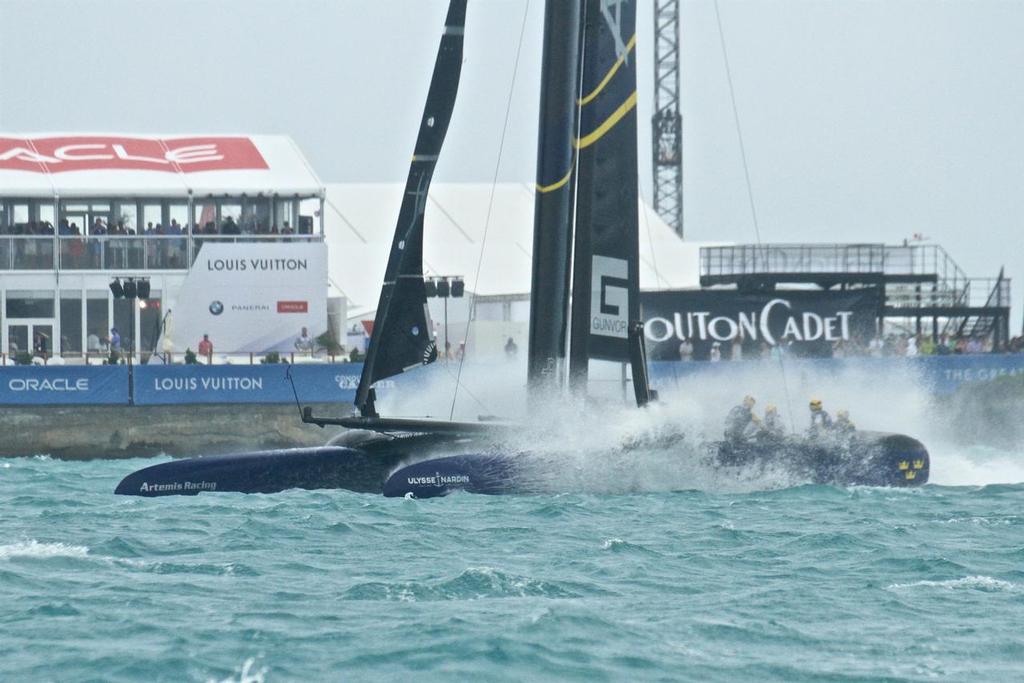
606	252
402	332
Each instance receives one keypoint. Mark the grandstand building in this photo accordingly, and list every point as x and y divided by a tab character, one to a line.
202	220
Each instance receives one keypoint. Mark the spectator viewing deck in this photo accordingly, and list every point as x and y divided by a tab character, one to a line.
80	213
827	265
917	281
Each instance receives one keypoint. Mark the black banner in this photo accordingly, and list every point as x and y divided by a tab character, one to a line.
703	323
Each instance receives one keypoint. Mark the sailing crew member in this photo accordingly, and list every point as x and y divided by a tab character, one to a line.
842	425
771	427
741	421
820	420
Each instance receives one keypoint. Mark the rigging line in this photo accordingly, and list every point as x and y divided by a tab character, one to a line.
739	130
750	191
483	406
490	204
343	292
347	222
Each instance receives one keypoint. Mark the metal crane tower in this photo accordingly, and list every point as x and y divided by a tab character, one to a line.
667	122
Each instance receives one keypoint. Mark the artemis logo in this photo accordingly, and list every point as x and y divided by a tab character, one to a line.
609	297
58	384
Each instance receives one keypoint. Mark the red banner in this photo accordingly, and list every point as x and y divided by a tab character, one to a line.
100	152
292	306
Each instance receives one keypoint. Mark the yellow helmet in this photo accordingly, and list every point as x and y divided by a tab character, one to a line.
748	400
843	414
770	409
815	404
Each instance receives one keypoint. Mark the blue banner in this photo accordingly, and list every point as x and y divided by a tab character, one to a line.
34	385
945	374
184	384
336	383
938	374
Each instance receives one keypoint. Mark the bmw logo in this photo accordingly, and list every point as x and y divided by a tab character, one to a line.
216	307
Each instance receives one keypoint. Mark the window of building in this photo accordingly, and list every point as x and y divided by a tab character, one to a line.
255	216
205	219
309	216
284	215
20	214
46	213
230	217
179	214
124	312
152	215
97	320
70	322
29	304
127	213
150	323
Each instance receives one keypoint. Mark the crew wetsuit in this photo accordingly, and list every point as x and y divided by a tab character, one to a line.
738	423
821	423
771	428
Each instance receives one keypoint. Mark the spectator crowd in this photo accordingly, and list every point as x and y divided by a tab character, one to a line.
890	345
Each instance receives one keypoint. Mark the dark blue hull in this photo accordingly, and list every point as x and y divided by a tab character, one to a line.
865	459
268	472
426	465
358	461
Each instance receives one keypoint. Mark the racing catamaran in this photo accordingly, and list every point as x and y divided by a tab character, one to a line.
584	300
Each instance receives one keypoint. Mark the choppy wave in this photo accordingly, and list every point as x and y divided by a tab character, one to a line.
35	549
475	583
981	583
801	583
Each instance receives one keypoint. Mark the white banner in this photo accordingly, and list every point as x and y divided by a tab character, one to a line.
249	297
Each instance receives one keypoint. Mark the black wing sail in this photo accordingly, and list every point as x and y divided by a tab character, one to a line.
401	336
555	195
606	251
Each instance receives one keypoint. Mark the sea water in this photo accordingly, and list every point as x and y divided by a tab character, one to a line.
780	583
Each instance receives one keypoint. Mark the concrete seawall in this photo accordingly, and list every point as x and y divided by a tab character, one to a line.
87	432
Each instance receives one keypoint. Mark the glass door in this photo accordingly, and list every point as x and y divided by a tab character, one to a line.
17	336
32	337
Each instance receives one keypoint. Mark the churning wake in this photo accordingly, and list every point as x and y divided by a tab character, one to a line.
604	444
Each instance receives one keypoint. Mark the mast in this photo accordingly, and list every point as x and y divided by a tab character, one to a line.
401	337
555	195
606	253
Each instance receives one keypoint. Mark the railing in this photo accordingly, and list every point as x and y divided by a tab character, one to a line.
26	252
753	259
972	292
152	252
177	358
116	252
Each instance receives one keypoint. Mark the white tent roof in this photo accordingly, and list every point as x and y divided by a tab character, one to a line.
121	165
360	223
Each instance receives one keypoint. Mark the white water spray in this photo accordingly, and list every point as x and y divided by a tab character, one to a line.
606	445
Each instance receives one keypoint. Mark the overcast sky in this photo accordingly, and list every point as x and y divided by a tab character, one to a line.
863	121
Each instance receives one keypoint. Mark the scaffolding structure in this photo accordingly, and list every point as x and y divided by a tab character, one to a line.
667	122
920	284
